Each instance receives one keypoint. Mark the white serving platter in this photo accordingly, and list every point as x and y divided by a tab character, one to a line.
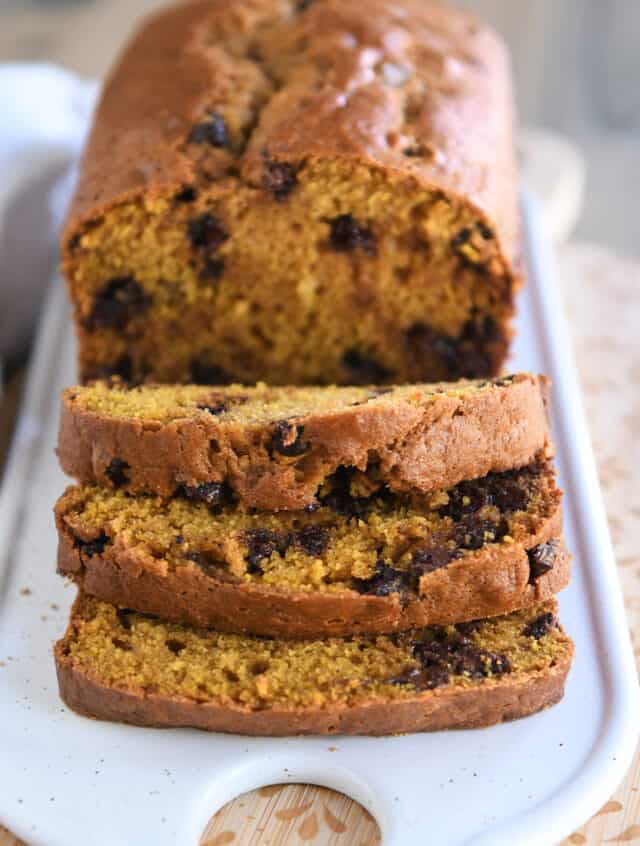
65	779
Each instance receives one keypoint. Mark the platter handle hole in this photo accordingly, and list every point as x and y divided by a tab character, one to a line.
288	814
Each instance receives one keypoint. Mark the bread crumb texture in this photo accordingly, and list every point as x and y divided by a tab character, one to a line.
259	404
136	653
361	536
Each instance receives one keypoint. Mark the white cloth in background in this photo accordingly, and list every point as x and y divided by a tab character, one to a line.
44	116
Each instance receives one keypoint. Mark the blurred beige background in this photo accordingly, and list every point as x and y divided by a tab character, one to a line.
576	66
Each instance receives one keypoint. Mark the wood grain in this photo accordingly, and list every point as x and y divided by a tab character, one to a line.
280	815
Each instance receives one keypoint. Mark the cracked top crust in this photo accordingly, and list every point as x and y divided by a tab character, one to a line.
304	195
409	87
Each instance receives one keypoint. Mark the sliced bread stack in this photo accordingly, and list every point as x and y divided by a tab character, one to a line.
311	560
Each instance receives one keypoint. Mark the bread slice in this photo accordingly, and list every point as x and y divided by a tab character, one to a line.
274	447
114	664
305	193
363	561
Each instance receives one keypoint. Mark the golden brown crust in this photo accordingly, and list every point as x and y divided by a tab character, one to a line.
508	699
491	581
166	76
424	446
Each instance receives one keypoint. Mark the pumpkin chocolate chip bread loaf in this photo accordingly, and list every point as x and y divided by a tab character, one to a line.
118	665
273	448
363	560
300	192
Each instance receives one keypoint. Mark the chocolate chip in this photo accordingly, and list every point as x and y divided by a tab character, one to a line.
464	236
121	644
351	507
508	491
118	302
384	581
364	370
498	663
466	498
418	151
303	5
287	439
212	269
178	539
461	238
174	645
206	231
485	330
348	234
312	539
218	402
95	546
279	178
541	559
116	472
263	543
437	648
340	500
511	489
214	408
432	677
205	373
502	382
210	493
463	356
458	655
479	663
427	560
124	617
472	532
469	663
422	678
196	556
425	343
188	194
469	627
541	626
122	368
212	131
